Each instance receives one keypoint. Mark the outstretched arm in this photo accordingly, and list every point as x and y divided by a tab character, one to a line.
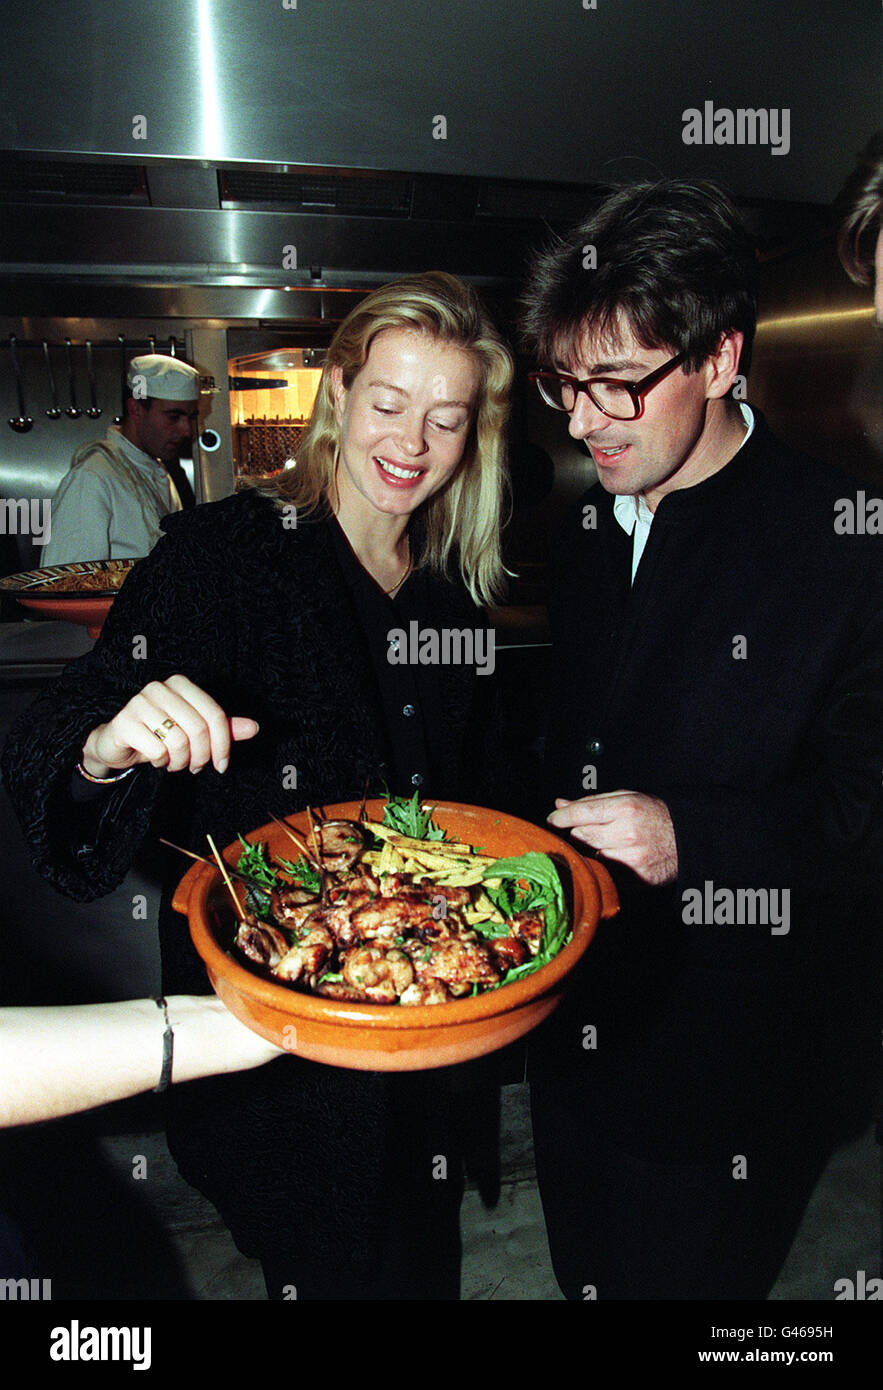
57	1061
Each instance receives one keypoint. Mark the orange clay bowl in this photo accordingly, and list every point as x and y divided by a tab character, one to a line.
381	1037
89	613
87	608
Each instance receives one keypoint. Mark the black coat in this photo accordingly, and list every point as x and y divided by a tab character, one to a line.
261	617
739	680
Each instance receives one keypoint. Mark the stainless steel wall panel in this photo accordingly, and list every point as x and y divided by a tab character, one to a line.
817	371
209	350
40	303
193	244
564	91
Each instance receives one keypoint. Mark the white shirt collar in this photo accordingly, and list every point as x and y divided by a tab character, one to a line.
132	452
632	510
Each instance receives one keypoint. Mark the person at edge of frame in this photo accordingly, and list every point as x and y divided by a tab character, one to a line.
714	736
860	240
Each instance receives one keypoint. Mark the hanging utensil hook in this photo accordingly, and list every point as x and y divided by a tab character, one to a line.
94	409
23	422
118	419
73	411
54	411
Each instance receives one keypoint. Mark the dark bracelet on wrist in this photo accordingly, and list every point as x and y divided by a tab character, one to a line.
167	1048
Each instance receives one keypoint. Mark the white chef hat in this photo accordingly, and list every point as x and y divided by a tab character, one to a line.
163	378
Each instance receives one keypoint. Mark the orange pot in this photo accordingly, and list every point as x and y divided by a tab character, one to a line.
88	612
377	1037
86	606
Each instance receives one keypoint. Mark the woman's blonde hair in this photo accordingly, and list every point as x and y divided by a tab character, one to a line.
464	518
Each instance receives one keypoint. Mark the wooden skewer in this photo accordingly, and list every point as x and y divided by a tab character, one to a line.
315	838
201	859
314	859
226	877
307	853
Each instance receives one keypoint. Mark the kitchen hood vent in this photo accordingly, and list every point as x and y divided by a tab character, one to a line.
364	194
533	202
48	179
306	190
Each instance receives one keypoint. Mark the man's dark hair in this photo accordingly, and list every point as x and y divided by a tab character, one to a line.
860	203
673	260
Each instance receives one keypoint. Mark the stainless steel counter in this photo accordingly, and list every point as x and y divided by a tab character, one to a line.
39	649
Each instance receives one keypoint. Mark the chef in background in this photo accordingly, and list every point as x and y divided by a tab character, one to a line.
110	505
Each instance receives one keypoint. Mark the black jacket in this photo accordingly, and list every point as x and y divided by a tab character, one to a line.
262	618
739	680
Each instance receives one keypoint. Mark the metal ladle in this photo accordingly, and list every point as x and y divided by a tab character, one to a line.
94	409
72	411
23	422
54	411
118	419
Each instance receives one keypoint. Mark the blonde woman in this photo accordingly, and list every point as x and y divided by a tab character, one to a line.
252	648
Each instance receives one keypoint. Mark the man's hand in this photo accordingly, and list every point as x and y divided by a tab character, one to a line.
629	827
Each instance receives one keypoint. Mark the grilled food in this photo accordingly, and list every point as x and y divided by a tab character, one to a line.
372	915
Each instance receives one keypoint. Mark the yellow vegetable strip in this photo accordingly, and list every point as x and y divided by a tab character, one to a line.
421	848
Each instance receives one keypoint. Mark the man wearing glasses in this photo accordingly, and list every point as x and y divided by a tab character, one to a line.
714	737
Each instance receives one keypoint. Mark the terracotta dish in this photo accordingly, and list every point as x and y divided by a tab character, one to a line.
81	592
377	1037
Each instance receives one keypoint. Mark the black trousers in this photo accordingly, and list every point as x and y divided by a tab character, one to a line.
624	1224
345	1185
679	1140
387	1235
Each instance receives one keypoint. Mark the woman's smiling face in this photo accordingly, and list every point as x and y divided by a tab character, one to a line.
404	421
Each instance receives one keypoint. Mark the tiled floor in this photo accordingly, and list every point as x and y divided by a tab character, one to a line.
505	1254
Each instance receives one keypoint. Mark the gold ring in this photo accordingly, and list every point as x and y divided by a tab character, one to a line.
166	724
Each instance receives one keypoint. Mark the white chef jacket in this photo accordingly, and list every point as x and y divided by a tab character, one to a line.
110	504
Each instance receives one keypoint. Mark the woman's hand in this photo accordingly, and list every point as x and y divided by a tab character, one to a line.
171	724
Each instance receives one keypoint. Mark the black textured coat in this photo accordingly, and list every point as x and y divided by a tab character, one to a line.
261	617
738	680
